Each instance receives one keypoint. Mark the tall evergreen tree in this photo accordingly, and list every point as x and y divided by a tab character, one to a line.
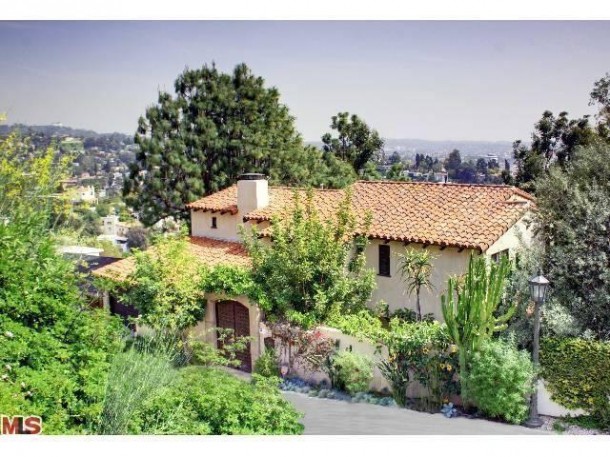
453	163
356	143
215	127
556	138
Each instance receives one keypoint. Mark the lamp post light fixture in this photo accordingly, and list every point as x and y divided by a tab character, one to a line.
539	287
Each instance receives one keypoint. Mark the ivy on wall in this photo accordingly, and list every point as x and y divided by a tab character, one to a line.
577	374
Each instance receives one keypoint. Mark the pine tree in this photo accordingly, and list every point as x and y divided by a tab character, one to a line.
215	127
356	143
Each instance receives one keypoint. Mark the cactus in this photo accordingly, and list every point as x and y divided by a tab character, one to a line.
469	307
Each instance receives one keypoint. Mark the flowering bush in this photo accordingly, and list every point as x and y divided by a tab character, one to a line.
308	348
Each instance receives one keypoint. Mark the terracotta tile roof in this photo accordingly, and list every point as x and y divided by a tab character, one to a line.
208	251
224	201
461	215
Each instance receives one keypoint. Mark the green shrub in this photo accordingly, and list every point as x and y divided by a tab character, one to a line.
500	380
267	365
577	374
207	354
210	401
422	352
352	372
303	272
54	351
136	375
362	325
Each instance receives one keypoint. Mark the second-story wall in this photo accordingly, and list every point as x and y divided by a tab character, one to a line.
226	225
391	289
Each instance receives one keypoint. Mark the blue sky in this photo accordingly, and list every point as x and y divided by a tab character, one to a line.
434	80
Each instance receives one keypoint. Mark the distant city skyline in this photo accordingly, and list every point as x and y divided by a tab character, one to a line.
437	80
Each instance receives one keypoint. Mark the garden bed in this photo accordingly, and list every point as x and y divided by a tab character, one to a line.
323	390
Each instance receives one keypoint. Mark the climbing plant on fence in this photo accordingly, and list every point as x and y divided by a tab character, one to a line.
577	374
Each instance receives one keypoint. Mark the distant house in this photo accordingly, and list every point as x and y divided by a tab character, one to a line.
84	194
452	221
115	231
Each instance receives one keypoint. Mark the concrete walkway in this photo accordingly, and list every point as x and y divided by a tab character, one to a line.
334	417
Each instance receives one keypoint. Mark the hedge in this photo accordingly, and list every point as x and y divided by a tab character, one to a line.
577	374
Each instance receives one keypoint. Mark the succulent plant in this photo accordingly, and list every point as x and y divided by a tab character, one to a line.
448	410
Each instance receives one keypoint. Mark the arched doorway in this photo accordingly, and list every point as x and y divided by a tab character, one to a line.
233	315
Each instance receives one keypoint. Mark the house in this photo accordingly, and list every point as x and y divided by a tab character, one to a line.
452	221
84	194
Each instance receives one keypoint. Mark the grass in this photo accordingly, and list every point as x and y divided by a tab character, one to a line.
137	374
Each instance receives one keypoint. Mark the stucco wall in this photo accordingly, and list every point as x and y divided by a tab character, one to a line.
548	407
519	233
392	289
350	343
227	225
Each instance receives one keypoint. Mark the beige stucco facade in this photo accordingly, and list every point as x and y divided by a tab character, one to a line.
391	289
446	261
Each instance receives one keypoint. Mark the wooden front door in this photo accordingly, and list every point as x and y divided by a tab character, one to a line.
235	316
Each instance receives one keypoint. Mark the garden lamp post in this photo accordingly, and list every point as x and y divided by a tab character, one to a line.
539	286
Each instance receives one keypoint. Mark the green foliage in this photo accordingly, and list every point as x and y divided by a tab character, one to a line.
577	374
397	173
136	375
356	143
574	216
363	325
314	267
415	269
469	308
165	286
206	354
54	351
267	365
422	352
233	281
418	351
556	139
500	380
214	402
396	372
351	371
214	128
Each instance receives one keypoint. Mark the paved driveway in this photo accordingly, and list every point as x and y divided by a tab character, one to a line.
334	417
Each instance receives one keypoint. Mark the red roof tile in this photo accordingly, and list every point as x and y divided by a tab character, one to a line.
208	251
461	215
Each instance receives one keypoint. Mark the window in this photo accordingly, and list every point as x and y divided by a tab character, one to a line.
384	260
214	223
498	255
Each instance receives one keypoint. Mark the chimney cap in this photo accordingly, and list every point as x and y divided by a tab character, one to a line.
251	177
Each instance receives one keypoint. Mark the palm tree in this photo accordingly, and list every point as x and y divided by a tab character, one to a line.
415	270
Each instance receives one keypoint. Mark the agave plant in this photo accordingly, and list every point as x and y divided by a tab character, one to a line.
469	307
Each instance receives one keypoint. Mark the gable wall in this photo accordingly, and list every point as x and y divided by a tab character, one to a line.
512	239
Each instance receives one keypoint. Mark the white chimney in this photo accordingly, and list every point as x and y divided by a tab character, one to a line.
252	192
